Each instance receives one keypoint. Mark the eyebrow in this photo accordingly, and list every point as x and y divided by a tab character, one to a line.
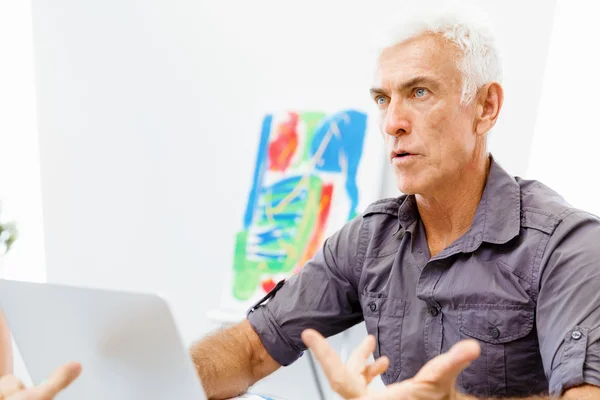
416	81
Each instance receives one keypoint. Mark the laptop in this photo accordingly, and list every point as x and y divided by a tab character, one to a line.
128	343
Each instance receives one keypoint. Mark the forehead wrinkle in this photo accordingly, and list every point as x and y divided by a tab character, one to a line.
425	55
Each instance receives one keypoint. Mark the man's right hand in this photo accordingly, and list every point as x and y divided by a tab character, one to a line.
350	381
436	380
11	387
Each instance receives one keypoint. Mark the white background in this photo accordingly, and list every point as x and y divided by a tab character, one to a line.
149	115
20	191
566	145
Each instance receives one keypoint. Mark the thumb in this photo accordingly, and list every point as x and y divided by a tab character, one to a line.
444	369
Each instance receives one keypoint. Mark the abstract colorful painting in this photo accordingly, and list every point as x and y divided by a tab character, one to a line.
306	167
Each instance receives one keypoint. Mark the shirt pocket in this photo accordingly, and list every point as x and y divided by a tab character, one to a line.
383	319
509	350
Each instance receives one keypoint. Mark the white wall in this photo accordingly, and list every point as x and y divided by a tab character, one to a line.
567	137
149	115
20	189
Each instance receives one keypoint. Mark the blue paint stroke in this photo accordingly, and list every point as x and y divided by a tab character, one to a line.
280	227
352	126
259	170
281	189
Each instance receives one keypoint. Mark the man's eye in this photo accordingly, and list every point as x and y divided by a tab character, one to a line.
421	92
380	100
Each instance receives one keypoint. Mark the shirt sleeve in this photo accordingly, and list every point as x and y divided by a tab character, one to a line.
322	296
568	307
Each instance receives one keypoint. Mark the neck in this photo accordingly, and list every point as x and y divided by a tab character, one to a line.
448	213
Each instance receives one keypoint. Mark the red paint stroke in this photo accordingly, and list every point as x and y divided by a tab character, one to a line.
282	149
318	231
268	285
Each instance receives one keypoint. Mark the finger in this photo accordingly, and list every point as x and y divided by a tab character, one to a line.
377	368
335	370
10	384
324	353
395	391
59	380
444	368
359	356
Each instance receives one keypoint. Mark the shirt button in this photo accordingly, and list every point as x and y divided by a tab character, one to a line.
494	332
576	335
434	312
373	307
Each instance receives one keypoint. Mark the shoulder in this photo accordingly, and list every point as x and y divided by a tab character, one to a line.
368	233
379	211
388	206
379	215
545	209
573	234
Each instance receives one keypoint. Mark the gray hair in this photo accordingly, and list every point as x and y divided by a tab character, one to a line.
464	26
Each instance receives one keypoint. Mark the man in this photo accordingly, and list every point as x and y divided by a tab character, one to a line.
468	253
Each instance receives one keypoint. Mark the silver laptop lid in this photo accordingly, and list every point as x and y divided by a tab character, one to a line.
127	343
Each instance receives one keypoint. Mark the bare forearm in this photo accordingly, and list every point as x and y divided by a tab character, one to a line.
230	361
223	362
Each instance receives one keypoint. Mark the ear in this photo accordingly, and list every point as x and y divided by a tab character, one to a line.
487	108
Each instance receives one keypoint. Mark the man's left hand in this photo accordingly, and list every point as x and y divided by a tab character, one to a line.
11	387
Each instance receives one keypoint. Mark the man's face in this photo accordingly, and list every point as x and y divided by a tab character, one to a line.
429	136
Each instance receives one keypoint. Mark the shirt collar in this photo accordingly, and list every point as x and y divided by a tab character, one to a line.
408	214
497	218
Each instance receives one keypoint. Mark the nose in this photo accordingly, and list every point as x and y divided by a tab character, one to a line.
396	121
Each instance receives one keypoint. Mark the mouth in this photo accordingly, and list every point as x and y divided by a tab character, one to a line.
402	156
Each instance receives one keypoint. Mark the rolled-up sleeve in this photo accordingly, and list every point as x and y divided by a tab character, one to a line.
568	307
322	296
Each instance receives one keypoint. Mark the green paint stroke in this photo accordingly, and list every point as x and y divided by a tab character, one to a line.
311	120
296	234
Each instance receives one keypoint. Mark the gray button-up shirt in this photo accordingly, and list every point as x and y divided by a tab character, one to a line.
524	281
